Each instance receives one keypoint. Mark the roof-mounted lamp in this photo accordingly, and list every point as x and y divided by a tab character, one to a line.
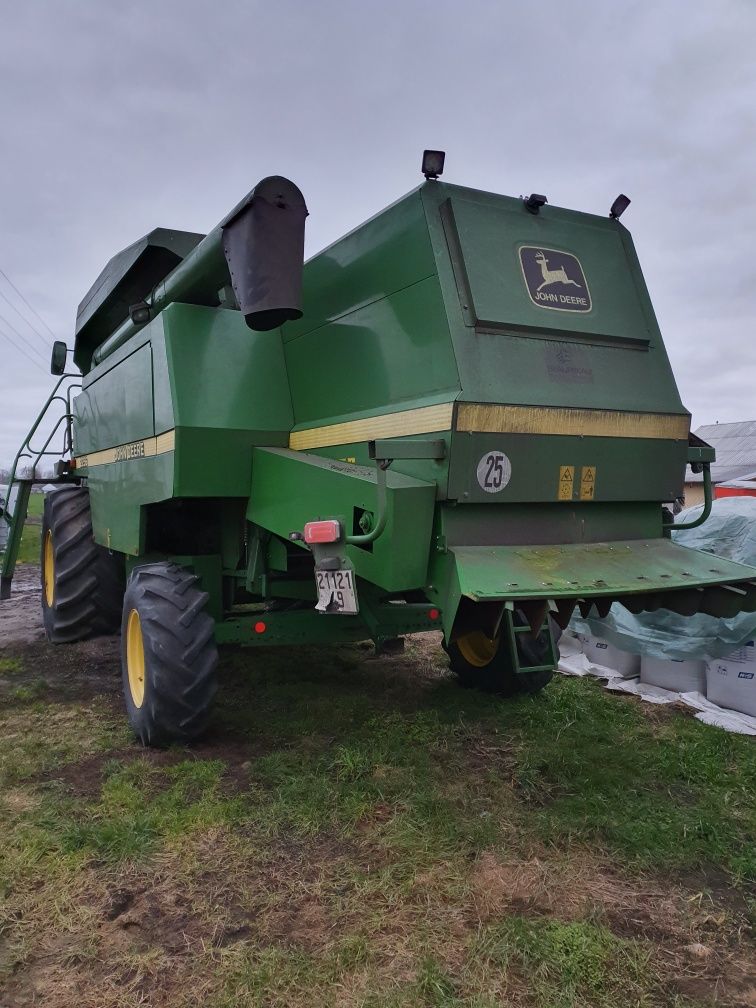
433	163
619	206
534	202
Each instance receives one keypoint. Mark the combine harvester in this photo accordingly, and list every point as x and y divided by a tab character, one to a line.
459	416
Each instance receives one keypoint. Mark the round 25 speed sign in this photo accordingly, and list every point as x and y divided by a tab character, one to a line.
494	471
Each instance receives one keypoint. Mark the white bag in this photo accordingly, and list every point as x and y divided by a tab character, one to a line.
674	674
731	681
601	652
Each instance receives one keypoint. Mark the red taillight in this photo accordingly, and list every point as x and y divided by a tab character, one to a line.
327	531
433	614
260	627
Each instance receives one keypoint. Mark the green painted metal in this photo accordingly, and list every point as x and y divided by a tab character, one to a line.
205	442
627	469
206	274
302	626
218	415
509	349
115	407
706	510
291	488
641	574
125	280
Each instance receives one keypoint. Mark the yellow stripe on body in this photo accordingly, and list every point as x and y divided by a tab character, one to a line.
146	448
492	419
424	420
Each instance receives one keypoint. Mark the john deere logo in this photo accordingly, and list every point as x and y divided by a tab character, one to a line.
554	279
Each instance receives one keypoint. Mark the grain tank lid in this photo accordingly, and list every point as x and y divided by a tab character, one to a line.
127	278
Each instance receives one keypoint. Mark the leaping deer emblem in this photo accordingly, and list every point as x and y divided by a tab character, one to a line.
552	276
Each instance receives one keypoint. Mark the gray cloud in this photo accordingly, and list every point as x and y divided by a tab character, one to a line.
119	118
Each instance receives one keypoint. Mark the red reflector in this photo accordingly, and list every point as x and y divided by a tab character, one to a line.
433	614
322	531
260	627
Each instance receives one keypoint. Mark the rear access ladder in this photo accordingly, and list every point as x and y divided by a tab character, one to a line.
14	511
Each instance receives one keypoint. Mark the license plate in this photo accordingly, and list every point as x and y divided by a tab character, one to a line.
336	591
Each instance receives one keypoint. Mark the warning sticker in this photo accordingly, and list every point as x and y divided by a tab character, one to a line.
566	482
587	482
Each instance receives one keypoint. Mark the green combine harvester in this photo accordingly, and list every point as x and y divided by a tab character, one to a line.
460	416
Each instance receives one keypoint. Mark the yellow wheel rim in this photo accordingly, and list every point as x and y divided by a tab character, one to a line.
477	649
135	658
48	573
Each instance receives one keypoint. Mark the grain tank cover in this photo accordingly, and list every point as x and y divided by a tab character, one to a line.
128	277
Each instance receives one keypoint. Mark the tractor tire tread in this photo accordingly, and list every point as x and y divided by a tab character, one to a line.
180	654
88	579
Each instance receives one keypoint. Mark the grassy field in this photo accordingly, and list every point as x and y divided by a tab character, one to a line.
361	832
29	551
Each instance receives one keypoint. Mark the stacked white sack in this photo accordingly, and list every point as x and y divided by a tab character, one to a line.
602	653
674	674
731	681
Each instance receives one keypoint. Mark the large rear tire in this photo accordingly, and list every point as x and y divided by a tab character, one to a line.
82	583
486	664
168	654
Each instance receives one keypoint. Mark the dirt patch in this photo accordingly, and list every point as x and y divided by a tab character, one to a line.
86	669
84	778
20	615
705	947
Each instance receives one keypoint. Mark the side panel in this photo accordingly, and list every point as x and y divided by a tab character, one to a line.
116	407
291	488
512	350
219	389
374	337
224	376
118	490
228	391
393	350
564	469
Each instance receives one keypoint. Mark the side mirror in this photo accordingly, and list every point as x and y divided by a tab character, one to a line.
58	359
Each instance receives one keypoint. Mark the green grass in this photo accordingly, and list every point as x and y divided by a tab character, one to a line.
31	535
36	505
574	765
568	963
139	807
356	833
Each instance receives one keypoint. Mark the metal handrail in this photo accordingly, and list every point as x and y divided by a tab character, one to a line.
15	517
26	450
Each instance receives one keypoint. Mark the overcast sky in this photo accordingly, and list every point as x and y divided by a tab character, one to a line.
120	117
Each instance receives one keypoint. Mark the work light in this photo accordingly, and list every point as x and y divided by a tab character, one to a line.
433	163
619	206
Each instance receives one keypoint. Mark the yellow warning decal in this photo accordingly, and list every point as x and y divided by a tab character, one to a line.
587	482
566	482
